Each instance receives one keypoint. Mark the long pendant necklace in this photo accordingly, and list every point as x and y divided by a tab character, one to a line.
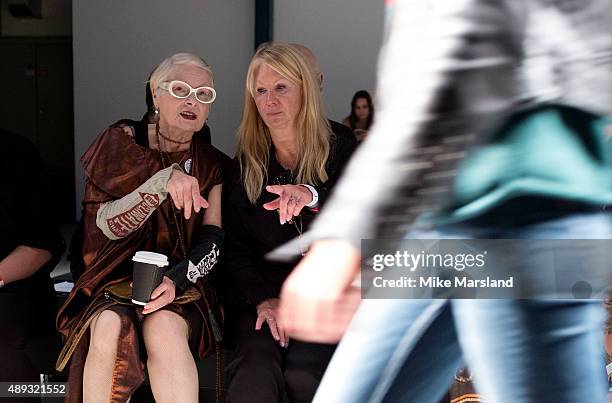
297	223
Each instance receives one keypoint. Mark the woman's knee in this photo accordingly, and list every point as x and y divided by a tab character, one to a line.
162	329
104	332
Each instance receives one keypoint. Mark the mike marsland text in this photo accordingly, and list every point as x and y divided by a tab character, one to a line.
437	282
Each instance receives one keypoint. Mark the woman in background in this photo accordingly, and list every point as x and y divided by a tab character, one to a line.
362	114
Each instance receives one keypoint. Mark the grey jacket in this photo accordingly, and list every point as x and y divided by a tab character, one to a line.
448	71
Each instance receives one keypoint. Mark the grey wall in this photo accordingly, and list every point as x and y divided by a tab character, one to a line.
344	34
117	43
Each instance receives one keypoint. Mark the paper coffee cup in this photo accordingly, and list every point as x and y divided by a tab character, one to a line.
149	268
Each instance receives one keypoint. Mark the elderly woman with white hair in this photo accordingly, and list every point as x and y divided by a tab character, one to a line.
156	188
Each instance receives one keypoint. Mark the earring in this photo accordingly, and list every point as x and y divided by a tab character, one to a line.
156	115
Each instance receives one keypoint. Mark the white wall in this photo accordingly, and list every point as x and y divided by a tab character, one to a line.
345	35
117	43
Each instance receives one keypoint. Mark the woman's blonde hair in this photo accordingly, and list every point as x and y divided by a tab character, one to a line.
164	69
254	140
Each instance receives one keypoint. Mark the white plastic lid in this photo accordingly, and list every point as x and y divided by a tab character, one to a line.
151	258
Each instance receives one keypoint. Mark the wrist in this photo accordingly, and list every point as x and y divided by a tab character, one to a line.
163	177
266	303
315	196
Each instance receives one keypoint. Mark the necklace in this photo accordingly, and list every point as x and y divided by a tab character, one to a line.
297	223
170	139
165	153
184	159
178	219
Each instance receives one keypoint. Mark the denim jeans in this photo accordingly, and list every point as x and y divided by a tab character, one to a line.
519	351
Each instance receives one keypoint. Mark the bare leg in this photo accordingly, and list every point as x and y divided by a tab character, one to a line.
608	331
172	370
100	362
608	343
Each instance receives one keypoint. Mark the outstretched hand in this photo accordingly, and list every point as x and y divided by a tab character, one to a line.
291	200
185	192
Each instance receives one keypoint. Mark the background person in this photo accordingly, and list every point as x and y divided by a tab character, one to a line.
338	129
362	114
30	246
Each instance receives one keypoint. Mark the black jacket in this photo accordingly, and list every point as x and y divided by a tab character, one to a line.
252	231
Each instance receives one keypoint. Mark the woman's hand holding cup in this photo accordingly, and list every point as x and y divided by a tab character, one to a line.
163	295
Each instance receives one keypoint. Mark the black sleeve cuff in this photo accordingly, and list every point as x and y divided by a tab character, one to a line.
209	239
178	274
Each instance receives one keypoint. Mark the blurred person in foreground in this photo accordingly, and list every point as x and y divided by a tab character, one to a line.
288	161
608	335
30	247
150	187
450	70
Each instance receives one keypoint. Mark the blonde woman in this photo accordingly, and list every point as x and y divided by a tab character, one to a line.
287	162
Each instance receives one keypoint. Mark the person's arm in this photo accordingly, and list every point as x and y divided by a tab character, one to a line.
22	262
310	197
29	220
206	246
247	281
119	218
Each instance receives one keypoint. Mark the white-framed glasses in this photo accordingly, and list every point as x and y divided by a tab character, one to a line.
182	90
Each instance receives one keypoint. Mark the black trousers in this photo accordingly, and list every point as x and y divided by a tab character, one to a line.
264	372
28	341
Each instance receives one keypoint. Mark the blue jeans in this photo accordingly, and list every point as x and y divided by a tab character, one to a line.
518	350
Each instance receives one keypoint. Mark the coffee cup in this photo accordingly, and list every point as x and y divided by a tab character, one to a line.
149	268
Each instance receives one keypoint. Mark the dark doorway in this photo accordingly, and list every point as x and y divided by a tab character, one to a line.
37	102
